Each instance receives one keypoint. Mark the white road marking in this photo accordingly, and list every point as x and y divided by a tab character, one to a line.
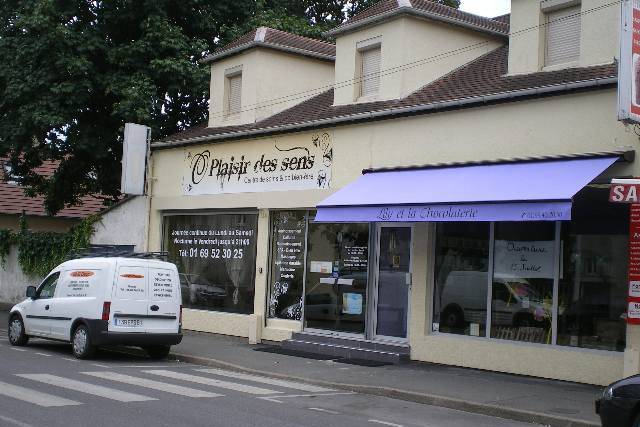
155	385
265	380
82	387
43	354
212	382
33	396
99	365
385	423
326	411
276	398
18	349
68	359
14	422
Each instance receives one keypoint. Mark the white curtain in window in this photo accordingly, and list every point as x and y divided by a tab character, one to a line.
235	94
370	71
563	36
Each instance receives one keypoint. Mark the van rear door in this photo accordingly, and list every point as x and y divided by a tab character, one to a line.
164	299
129	299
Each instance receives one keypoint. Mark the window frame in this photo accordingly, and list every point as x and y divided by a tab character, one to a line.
229	75
548	11
362	48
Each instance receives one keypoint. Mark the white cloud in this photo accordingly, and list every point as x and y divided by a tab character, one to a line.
488	8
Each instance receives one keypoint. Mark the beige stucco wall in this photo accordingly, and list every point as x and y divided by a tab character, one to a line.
269	83
576	123
406	70
599	35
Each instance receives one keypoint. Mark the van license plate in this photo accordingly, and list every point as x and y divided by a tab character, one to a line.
129	323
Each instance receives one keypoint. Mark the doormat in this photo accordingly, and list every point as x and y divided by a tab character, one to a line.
363	362
297	353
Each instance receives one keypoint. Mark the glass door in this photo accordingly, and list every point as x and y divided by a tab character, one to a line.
393	282
337	278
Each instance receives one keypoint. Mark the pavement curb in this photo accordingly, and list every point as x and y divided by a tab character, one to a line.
427	399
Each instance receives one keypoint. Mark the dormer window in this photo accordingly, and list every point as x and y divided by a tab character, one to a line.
562	45
369	58
233	90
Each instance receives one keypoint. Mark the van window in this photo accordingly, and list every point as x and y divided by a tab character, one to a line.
79	283
48	286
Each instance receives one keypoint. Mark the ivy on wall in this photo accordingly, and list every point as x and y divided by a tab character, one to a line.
40	251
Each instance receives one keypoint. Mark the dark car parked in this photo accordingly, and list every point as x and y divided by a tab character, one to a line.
619	405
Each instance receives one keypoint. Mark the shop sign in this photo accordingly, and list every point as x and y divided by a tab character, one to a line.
624	192
265	166
530	259
629	64
633	315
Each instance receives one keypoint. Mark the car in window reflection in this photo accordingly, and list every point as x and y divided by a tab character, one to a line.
195	292
514	302
620	403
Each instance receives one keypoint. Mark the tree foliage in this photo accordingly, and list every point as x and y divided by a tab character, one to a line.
74	71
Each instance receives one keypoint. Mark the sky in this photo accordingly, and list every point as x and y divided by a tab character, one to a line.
488	8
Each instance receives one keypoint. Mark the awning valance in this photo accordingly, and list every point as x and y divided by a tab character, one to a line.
525	191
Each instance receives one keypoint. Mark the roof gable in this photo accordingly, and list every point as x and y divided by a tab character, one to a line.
387	9
278	40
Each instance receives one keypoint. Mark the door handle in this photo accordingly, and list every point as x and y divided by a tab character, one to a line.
46	307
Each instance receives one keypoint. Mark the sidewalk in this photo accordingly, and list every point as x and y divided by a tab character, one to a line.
546	402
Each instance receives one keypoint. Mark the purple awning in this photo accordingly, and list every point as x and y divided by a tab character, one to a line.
533	191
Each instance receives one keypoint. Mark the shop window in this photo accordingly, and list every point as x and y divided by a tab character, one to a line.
216	258
337	277
461	278
524	268
286	278
592	289
568	277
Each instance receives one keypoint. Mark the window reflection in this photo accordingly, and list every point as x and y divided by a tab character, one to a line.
592	290
462	256
523	276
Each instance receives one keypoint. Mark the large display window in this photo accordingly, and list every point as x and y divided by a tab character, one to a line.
561	283
216	258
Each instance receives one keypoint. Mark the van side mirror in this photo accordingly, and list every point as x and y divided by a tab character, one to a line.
31	291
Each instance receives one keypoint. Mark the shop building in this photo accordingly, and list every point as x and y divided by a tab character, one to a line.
434	181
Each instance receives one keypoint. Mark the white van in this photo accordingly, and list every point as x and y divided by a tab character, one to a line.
93	302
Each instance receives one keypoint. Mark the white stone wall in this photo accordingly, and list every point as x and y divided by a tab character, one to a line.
125	224
13	282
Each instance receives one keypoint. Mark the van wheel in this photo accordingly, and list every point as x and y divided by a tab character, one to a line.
17	335
452	317
158	351
81	343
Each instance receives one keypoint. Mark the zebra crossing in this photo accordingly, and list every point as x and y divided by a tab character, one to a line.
42	389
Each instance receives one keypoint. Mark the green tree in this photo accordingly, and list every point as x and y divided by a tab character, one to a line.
74	71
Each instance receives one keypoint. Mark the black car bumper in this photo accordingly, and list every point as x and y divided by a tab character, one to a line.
100	335
616	412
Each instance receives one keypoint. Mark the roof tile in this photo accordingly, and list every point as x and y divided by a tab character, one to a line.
13	200
276	39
